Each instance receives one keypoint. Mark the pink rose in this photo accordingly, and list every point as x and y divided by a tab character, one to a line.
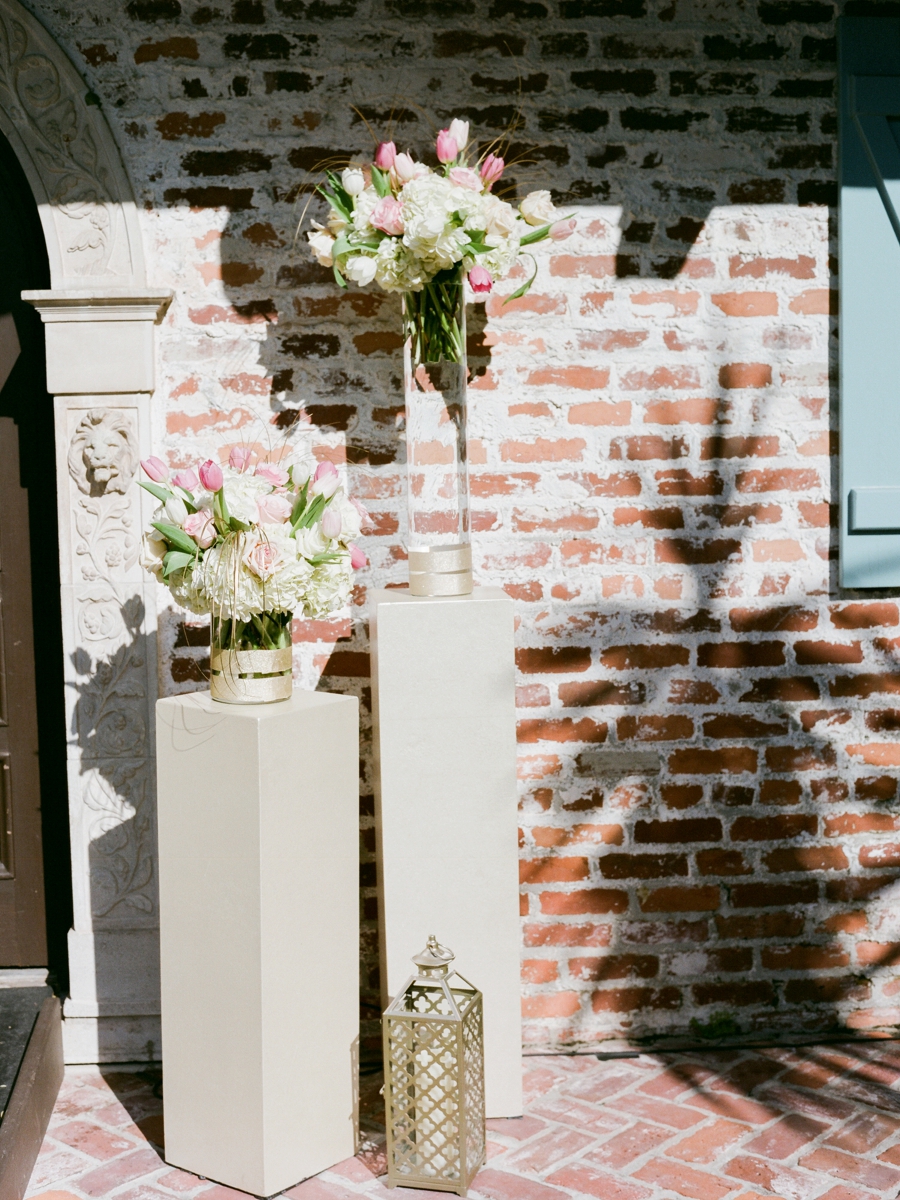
263	559
562	229
492	169
155	469
211	475
480	280
273	509
271	474
199	525
465	177
447	149
387	215
357	558
331	523
186	479
385	155
239	458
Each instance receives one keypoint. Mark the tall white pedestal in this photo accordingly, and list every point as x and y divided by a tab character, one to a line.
443	675
259	932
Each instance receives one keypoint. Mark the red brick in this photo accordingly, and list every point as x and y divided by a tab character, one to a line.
701	411
738	994
564	729
857	889
816	301
776	1179
735	726
632	1143
725	655
691	829
648	447
696	553
854	1169
779	479
745	375
804	958
503	485
883	720
583	1181
613	966
119	1171
591	835
599	412
812	653
864	685
868	615
732	760
550	1004
679	796
625	483
634	999
680	482
825	716
584	900
775	619
642	866
681	899
848	824
646	657
553	659
773	895
764	925
692	691
654	729
864	1132
683	303
877	754
581	378
707	1143
799	758
881	854
833	791
801	267
567	935
669	378
553	870
525	521
772	828
739	447
747	304
806	858
780	791
790	687
543	450
599	691
539	970
570	265
875	787
684	1180
722	862
650	518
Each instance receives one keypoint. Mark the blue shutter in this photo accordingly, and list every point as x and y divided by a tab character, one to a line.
870	301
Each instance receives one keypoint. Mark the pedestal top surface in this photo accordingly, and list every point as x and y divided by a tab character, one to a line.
301	700
404	596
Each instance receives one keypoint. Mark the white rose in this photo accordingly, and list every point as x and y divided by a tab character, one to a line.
311	541
537	208
153	551
336	223
353	180
321	244
501	217
360	269
459	131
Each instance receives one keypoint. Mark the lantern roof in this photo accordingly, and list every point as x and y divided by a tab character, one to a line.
435	959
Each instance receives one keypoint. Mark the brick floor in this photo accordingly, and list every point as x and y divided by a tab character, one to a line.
795	1124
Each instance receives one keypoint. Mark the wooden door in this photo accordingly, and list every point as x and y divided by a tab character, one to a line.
23	939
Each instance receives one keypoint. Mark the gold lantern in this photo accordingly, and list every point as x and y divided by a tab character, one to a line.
434	1077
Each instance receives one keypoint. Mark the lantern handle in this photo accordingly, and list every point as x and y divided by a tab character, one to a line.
435	959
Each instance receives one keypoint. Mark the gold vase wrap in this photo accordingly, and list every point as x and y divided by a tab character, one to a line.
441	570
250	676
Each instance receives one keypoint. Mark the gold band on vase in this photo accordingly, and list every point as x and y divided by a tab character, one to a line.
441	570
250	676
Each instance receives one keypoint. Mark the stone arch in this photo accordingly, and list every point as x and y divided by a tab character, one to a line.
70	158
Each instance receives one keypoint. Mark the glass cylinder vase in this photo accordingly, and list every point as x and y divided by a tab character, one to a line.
435	373
250	661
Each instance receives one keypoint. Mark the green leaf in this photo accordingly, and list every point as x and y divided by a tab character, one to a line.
154	489
176	536
536	235
313	513
381	181
239	526
525	286
339	279
326	556
176	560
299	505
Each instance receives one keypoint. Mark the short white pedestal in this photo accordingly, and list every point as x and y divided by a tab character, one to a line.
443	675
259	933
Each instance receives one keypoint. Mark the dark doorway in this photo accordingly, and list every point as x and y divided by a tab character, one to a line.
35	878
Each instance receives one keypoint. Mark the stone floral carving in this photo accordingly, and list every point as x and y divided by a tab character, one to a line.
47	105
120	839
103	454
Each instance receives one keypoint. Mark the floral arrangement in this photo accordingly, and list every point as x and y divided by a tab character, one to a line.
412	228
253	544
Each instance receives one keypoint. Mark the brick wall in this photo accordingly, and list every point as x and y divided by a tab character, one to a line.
708	760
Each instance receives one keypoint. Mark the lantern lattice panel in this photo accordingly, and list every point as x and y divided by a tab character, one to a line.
425	1095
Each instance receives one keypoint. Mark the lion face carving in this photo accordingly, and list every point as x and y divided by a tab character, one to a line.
102	455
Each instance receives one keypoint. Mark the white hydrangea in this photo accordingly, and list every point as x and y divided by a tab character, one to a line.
363	207
328	588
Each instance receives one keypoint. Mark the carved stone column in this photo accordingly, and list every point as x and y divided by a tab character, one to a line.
100	368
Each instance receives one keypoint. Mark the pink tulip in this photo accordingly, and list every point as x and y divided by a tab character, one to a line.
480	280
199	525
447	149
331	523
562	229
272	474
385	155
387	215
404	168
365	519
211	475
357	558
274	508
492	169
325	468
465	177
156	469
186	479
239	458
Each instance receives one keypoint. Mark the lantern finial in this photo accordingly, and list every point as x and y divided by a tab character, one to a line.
435	959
